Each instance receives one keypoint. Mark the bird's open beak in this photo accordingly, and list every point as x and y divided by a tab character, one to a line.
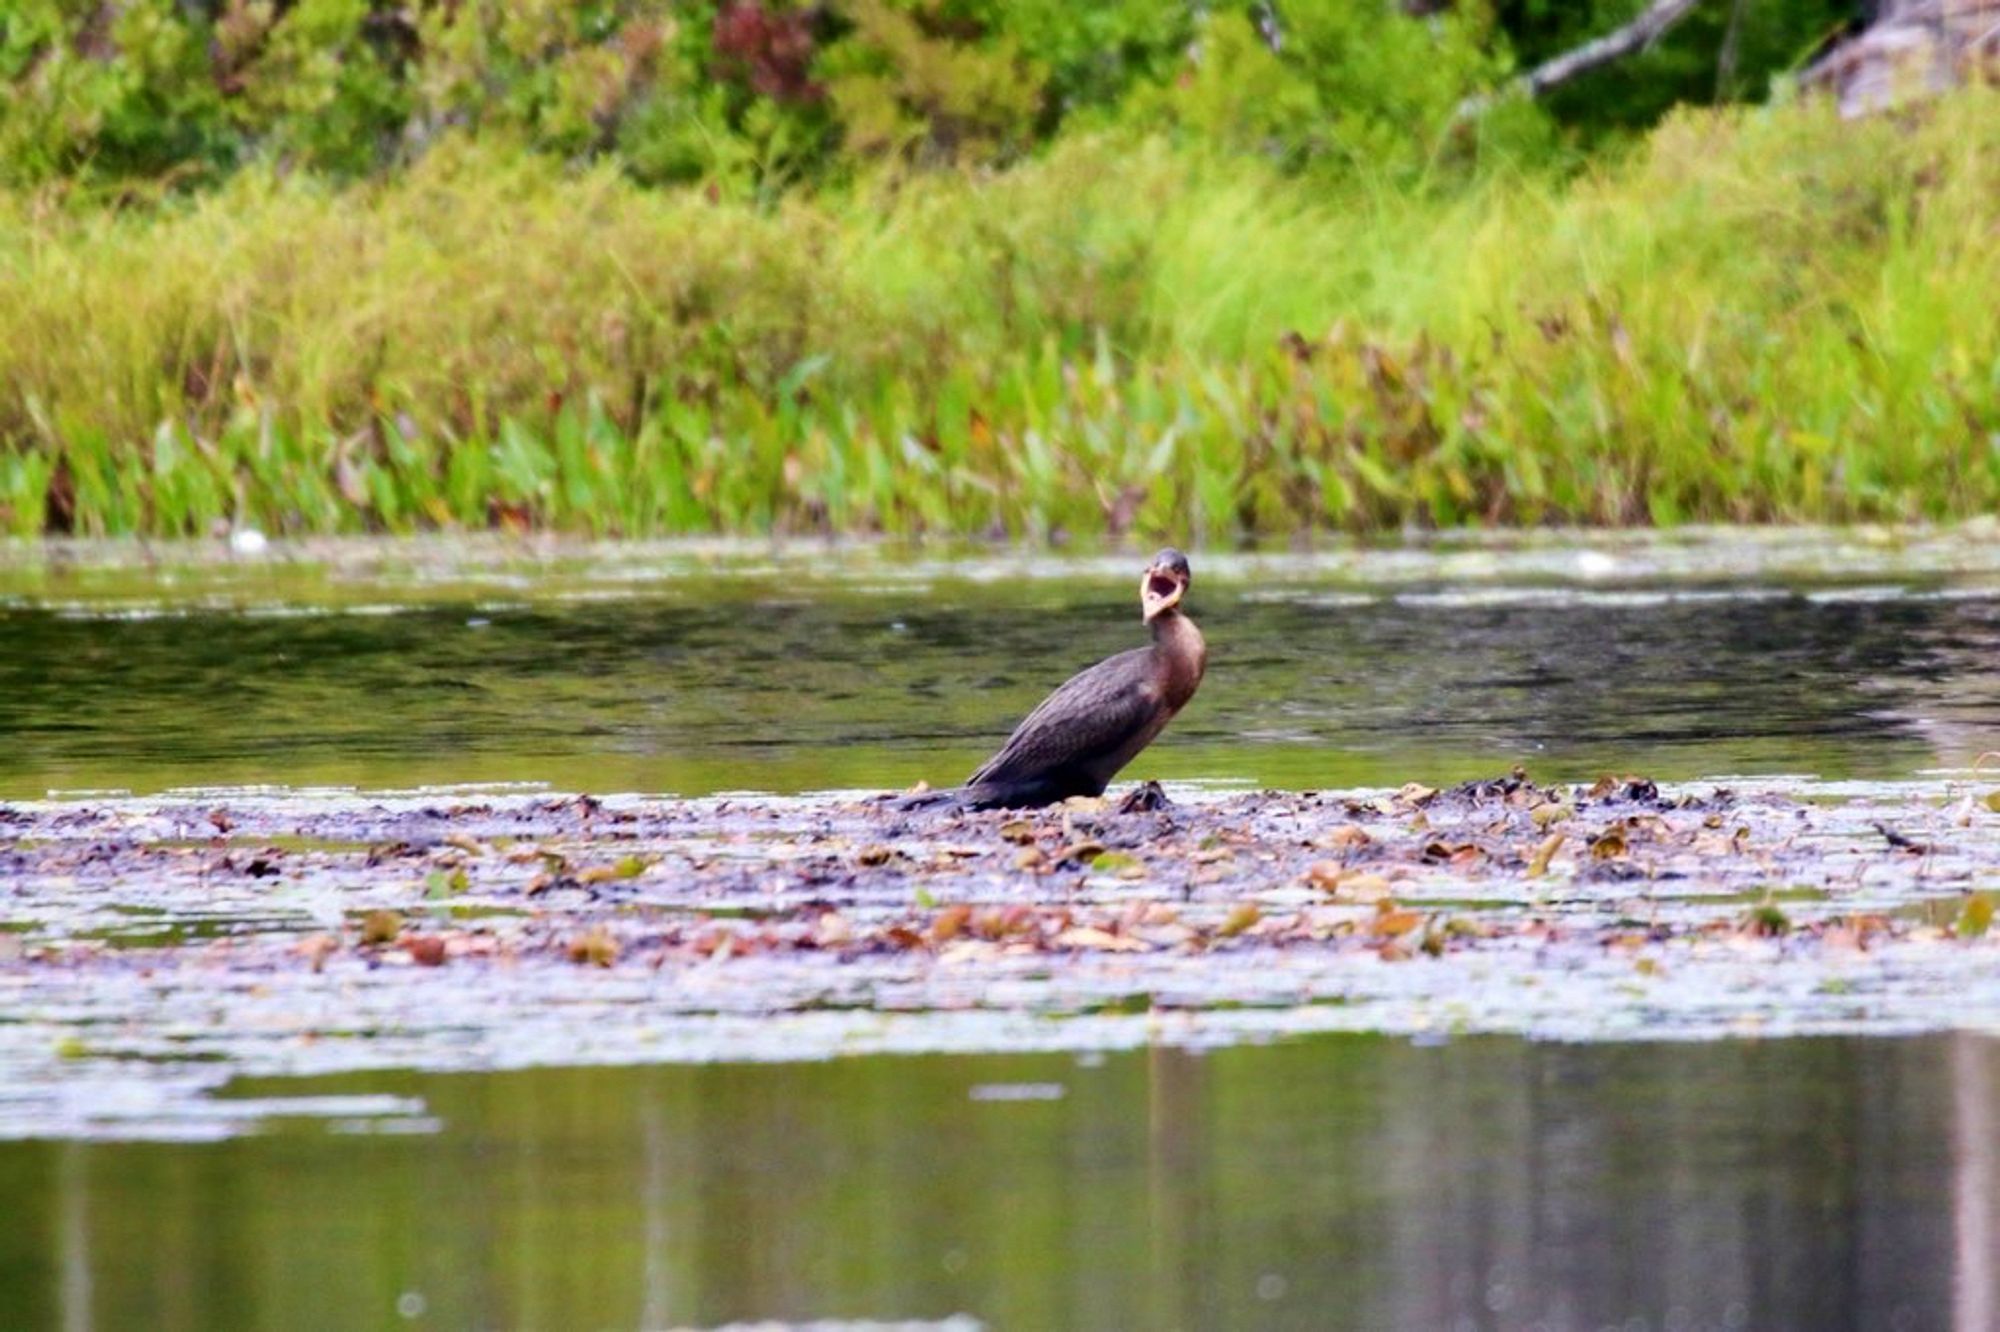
1160	590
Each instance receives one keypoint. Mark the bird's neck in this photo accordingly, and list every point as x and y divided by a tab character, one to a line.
1179	646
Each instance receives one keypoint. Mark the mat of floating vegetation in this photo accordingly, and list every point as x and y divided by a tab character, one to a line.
156	947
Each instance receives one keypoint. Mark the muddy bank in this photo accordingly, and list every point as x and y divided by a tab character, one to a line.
151	949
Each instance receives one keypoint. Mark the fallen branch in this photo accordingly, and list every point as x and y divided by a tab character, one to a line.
1650	25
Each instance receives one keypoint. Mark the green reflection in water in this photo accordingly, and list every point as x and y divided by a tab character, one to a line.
1347	1181
841	688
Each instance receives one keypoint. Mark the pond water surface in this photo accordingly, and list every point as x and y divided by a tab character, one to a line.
683	677
1328	1181
1331	1182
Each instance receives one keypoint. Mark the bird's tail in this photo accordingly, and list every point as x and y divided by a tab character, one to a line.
981	795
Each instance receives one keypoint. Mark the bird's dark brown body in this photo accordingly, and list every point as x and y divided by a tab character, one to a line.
1083	733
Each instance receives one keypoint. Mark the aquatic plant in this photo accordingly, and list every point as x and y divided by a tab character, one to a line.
1763	315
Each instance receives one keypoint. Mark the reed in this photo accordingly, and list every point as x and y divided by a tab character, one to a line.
1756	315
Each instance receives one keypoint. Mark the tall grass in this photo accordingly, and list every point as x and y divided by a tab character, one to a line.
1760	315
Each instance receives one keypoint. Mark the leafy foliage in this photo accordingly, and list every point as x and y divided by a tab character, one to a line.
758	94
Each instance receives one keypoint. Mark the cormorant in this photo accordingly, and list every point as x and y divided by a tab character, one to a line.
1083	733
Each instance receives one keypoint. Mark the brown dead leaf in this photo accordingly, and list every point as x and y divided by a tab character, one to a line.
1364	888
949	923
1325	875
317	948
1538	864
426	950
1391	921
1090	937
598	947
1347	837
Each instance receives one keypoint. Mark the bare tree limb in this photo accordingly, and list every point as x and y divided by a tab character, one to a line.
1648	27
1651	24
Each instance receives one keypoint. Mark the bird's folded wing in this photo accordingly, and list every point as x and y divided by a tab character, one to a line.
1096	712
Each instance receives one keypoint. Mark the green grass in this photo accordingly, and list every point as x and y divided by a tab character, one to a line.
1760	315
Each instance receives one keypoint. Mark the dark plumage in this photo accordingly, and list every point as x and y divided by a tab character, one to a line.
1083	733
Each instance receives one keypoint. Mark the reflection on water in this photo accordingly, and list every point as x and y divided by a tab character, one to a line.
747	689
1350	1181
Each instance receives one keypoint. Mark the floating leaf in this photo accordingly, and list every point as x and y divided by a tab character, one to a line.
874	855
440	884
627	867
1363	888
1117	862
1538	864
1239	919
317	948
1609	845
950	923
1552	812
1975	917
1416	793
1325	875
381	927
426	950
594	947
1100	940
1767	921
1390	921
1347	837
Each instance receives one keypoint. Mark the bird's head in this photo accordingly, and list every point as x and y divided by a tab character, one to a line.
1166	582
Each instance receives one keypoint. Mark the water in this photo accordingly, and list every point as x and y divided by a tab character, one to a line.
1328	1180
1349	1181
1321	676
